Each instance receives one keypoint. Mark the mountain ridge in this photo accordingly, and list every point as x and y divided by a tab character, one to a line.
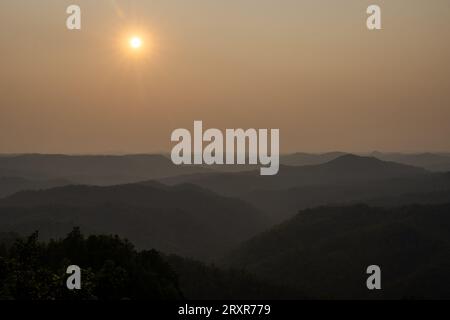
346	169
184	219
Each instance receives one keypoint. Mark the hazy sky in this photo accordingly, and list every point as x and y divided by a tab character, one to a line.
308	67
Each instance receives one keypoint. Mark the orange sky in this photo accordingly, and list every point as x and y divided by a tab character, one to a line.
310	68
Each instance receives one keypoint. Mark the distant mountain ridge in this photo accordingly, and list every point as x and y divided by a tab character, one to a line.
97	170
438	161
283	203
10	184
346	169
429	161
344	180
184	219
305	159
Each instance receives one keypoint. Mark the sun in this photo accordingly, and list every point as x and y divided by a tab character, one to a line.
135	42
135	46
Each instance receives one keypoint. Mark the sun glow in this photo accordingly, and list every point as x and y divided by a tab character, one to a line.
135	42
135	47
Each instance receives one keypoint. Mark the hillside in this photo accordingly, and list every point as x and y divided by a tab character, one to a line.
325	251
184	219
11	185
200	281
113	269
98	169
347	169
429	161
284	203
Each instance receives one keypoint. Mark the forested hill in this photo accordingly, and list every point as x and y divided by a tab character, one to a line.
112	269
185	219
326	250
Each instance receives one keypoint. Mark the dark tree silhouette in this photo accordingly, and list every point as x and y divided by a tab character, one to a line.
111	269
